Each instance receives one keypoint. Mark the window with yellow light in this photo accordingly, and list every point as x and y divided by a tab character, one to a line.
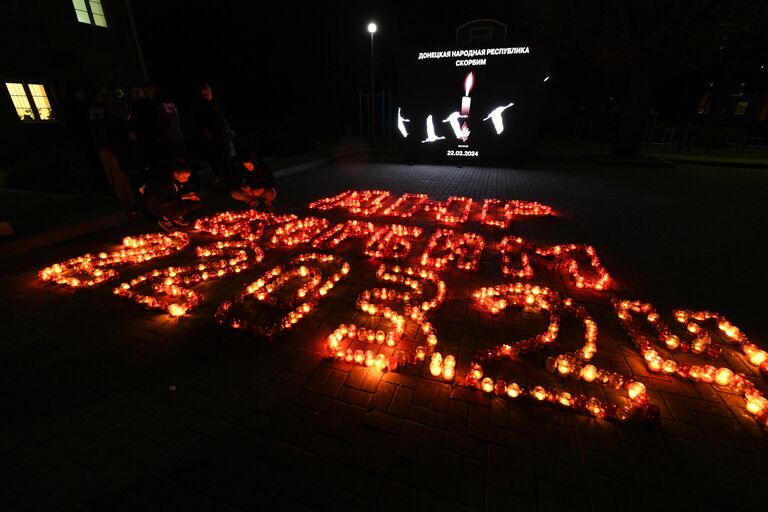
30	101
90	12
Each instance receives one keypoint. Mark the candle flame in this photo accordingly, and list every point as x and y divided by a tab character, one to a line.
468	83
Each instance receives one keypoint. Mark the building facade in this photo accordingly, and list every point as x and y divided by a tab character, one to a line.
48	48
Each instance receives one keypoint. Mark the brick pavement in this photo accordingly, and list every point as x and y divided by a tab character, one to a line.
107	406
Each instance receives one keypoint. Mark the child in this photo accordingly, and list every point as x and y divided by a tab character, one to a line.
169	199
258	183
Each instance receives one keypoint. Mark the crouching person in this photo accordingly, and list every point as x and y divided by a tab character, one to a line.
258	184
169	199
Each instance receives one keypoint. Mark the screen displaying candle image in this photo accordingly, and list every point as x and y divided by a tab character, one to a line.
469	105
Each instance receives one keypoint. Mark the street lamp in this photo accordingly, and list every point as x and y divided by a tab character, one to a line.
372	30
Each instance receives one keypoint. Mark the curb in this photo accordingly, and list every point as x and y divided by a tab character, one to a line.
68	232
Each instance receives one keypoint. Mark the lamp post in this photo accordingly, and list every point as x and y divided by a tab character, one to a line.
372	30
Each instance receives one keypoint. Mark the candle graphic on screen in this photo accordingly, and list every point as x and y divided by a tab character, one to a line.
466	100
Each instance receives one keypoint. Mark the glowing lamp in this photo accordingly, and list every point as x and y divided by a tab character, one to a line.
449	372
487	385
372	28
539	393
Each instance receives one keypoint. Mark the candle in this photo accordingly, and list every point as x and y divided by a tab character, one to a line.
589	373
723	376
635	389
466	100
755	403
513	390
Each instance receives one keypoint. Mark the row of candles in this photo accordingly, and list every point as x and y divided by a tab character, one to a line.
173	283
445	242
99	268
389	242
626	311
574	365
557	256
171	287
455	210
379	302
291	309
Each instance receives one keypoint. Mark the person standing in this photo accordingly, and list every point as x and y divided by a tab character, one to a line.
159	129
216	135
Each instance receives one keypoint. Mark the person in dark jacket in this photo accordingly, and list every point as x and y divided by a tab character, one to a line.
158	128
258	183
216	135
169	199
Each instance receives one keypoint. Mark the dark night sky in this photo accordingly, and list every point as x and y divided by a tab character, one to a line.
283	62
281	57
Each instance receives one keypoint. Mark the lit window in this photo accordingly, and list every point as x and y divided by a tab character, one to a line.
42	104
90	12
20	101
24	97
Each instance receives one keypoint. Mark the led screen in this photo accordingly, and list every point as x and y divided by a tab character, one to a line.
469	105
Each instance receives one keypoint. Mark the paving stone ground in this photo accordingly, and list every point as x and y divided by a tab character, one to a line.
108	406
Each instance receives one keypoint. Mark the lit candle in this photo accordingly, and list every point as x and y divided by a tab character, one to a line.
723	376
635	389
589	373
176	310
755	403
758	357
513	390
466	100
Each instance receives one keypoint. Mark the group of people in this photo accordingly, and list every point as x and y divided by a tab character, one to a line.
170	198
142	144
